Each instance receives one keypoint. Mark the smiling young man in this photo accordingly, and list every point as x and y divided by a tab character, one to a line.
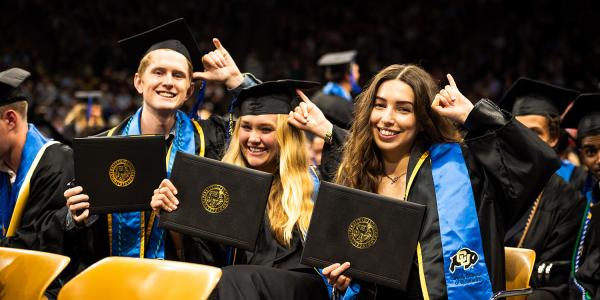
585	278
168	56
549	227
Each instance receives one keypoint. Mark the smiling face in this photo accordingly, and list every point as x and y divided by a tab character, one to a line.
393	120
164	80
258	141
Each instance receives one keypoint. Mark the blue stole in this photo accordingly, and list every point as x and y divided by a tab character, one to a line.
9	195
332	88
130	236
464	262
566	170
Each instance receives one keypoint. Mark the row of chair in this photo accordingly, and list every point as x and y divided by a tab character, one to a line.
25	274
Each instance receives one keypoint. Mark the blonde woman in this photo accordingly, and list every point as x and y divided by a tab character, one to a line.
263	140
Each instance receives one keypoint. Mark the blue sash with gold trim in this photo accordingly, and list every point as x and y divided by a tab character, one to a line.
129	234
464	262
9	195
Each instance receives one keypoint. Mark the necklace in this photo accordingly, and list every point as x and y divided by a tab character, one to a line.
395	178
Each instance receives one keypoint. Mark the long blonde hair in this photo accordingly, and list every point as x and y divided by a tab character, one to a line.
289	205
362	163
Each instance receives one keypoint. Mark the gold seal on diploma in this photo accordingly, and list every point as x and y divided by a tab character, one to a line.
121	172
215	198
362	233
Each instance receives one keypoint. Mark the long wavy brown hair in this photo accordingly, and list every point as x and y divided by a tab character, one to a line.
362	162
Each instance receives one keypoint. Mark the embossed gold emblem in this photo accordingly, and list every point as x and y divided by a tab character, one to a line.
215	198
363	233
121	172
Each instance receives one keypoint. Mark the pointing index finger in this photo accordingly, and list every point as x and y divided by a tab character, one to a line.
303	96
451	80
219	46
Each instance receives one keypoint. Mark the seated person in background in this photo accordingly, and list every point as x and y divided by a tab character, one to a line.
550	226
34	171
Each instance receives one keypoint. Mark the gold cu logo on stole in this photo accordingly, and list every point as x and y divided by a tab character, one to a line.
465	258
363	233
215	198
121	172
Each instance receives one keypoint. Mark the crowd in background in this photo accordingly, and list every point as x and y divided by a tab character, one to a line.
70	45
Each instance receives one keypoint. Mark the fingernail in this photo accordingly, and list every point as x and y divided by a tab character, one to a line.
175	192
176	202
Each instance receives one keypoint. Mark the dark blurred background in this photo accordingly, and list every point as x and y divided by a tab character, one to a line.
487	44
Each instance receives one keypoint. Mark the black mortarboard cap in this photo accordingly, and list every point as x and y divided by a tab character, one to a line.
532	97
584	115
337	58
175	35
10	85
272	97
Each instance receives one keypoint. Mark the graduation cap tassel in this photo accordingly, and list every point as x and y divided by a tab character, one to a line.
199	101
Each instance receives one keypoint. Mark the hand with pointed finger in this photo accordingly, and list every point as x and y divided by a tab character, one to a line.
219	66
334	275
451	103
78	204
164	197
308	117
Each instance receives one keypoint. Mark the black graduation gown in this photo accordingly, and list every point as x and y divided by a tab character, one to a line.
508	167
271	271
338	110
578	178
552	234
44	215
588	274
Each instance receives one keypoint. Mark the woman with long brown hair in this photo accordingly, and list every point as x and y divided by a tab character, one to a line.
405	143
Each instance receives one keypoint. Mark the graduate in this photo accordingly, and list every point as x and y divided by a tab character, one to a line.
403	144
550	226
34	171
585	277
168	61
335	99
263	140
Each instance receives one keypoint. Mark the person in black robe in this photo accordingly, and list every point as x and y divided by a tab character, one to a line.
263	140
584	115
507	167
550	226
335	99
33	173
165	83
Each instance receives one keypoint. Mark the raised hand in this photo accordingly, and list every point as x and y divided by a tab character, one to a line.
308	117
164	197
334	275
219	66
451	103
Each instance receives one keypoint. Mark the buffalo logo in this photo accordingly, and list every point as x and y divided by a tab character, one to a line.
215	198
362	233
121	172
465	258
